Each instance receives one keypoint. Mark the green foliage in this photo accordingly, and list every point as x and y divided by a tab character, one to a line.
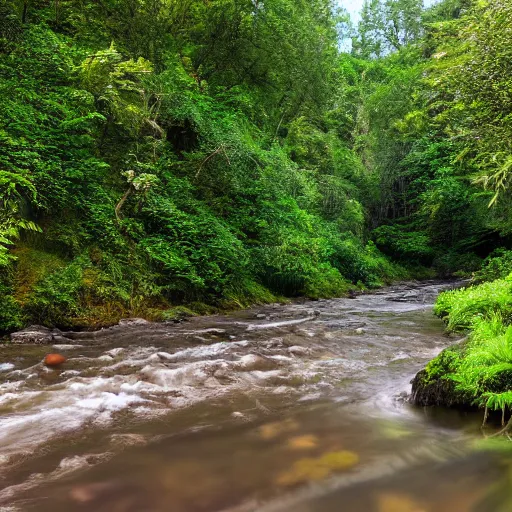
498	265
413	246
14	190
226	152
470	73
116	85
445	364
485	371
11	314
460	308
56	297
453	263
156	155
388	25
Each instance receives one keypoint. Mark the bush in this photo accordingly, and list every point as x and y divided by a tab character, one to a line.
410	246
57	297
363	264
496	266
11	315
453	263
460	308
485	371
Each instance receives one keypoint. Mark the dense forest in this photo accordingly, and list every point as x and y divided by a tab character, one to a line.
161	158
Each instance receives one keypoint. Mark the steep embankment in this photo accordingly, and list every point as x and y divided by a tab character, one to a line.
191	162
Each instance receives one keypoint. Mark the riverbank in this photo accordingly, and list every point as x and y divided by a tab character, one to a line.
107	315
476	372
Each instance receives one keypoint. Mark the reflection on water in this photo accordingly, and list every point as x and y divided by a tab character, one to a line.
295	407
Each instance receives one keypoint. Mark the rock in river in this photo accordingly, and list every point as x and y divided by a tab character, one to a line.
35	334
54	360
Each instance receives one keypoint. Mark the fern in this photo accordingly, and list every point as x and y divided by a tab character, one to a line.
498	401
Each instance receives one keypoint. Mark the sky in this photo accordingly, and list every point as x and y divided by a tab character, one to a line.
353	7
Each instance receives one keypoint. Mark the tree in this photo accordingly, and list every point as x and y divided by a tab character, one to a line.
388	25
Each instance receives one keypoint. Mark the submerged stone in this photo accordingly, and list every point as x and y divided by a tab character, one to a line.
302	442
312	469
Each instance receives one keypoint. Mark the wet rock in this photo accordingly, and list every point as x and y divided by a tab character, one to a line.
66	347
311	469
53	360
60	340
275	429
35	335
438	391
297	350
253	362
129	322
306	442
390	502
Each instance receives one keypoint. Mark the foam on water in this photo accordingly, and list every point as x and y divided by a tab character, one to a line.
143	381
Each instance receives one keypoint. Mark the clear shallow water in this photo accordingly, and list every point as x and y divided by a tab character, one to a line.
294	407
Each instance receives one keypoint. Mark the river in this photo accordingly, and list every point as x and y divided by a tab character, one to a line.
296	407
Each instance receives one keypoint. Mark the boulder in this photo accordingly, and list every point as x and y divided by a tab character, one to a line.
434	392
432	385
33	335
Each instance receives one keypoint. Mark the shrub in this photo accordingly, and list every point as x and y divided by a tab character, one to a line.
460	308
410	246
11	315
497	266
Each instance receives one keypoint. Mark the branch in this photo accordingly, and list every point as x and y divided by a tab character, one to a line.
219	150
121	202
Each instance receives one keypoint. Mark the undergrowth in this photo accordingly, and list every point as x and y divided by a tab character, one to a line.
482	371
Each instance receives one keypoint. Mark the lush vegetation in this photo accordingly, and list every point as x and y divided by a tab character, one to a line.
478	371
156	155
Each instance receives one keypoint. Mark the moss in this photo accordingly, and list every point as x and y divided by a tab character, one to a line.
434	385
176	314
30	268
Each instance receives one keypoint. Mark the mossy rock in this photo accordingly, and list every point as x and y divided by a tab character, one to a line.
433	385
176	314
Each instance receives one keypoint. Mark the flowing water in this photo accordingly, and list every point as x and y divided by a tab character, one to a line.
298	407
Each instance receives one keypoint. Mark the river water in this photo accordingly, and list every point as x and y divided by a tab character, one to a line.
298	407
